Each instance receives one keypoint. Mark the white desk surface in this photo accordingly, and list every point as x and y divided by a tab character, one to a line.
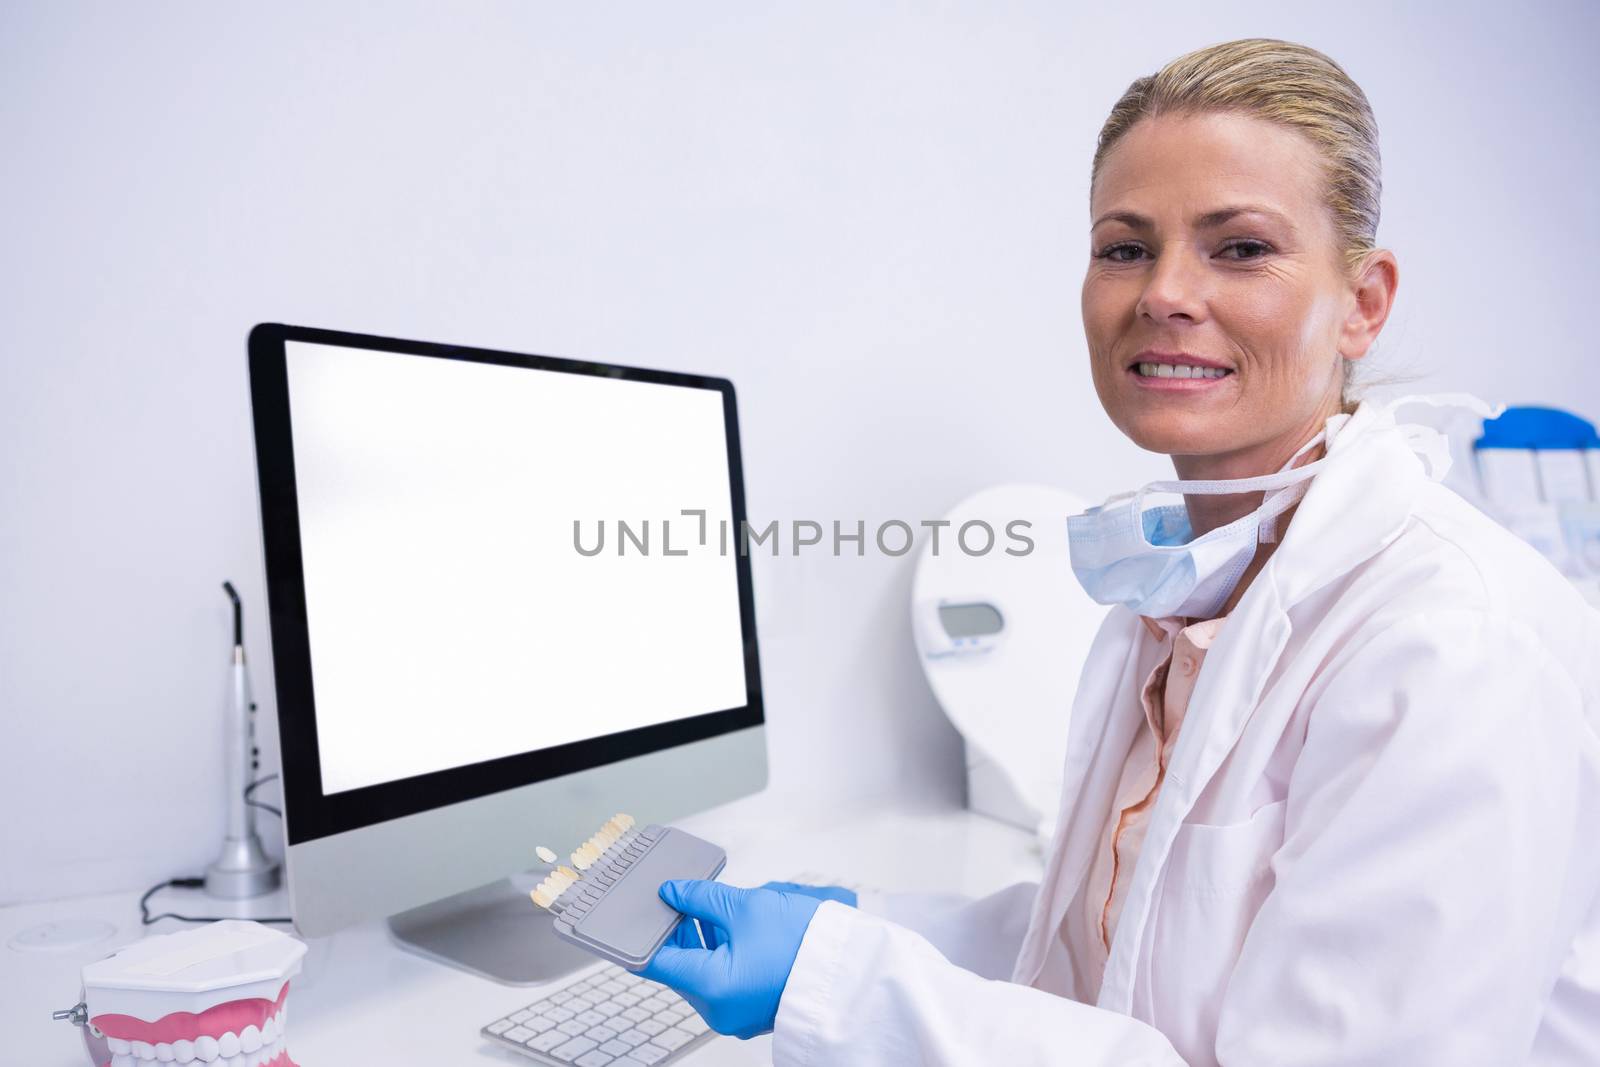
361	999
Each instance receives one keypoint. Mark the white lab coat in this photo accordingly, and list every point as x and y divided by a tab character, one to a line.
1376	842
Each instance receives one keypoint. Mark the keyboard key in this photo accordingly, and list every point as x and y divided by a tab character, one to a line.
593	1059
608	1009
539	1023
559	1015
615	1047
653	1004
651	1027
525	1013
633	1037
671	1039
572	1027
499	1027
547	1041
517	1033
648	1054
671	1015
627	1000
694	1024
573	1049
636	1014
601	1034
591	1018
561	997
612	987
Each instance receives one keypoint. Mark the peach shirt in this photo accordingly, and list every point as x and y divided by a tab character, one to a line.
1165	697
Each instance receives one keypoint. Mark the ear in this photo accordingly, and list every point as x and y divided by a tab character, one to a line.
1374	290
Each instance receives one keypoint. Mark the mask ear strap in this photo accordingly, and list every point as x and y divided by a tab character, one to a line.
1265	483
1273	508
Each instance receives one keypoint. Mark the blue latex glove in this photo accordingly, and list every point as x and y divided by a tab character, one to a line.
821	892
736	983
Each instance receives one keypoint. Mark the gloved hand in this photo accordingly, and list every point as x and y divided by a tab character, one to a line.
685	937
821	892
736	984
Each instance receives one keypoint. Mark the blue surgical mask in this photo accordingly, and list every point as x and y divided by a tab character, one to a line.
1149	560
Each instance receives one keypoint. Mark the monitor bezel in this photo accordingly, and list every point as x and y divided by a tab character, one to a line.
309	813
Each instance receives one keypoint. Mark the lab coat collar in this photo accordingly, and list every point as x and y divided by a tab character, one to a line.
1356	506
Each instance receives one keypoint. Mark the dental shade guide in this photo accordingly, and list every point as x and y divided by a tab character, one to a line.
608	902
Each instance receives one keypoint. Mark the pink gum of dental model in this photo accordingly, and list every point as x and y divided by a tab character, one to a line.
231	1017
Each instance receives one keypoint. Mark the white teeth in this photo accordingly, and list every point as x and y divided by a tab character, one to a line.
251	1047
1170	370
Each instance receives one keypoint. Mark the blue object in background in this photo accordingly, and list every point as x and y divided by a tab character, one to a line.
1539	472
1536	428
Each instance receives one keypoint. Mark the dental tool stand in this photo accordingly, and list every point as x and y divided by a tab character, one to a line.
243	869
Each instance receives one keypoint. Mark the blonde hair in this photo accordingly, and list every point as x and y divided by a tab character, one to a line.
1289	84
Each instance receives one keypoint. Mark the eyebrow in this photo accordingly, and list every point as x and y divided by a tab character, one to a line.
1206	221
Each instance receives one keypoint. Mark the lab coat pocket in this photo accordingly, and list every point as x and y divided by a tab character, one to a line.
1218	858
1215	881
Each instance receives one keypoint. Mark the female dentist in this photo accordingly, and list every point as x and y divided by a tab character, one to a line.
1333	774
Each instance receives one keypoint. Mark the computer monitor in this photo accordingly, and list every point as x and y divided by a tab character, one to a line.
503	608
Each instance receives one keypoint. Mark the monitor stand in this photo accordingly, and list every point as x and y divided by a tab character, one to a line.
493	931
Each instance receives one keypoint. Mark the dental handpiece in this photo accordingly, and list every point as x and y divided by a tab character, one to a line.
243	869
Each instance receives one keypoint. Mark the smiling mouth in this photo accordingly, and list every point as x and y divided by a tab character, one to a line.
1178	371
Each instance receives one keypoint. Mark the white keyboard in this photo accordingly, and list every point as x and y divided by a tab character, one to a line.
607	1017
610	1017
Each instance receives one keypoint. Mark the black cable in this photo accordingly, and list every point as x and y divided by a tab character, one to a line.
146	919
195	883
251	788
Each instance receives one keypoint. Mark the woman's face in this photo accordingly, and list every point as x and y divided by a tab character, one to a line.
1216	303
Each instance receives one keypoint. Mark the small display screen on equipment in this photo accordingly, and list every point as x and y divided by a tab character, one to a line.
970	620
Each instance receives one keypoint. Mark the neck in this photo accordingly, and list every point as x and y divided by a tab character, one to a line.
1208	511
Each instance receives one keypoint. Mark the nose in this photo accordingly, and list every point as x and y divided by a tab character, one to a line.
1175	289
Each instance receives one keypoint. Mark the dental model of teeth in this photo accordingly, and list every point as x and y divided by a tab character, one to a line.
1178	370
215	995
249	1046
613	836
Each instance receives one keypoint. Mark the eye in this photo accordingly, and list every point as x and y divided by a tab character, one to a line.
1248	249
1113	254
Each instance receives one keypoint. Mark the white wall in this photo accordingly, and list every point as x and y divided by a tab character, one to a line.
871	217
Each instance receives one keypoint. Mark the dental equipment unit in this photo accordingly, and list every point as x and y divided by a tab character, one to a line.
243	869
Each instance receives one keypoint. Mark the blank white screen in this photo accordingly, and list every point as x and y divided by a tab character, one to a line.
451	619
